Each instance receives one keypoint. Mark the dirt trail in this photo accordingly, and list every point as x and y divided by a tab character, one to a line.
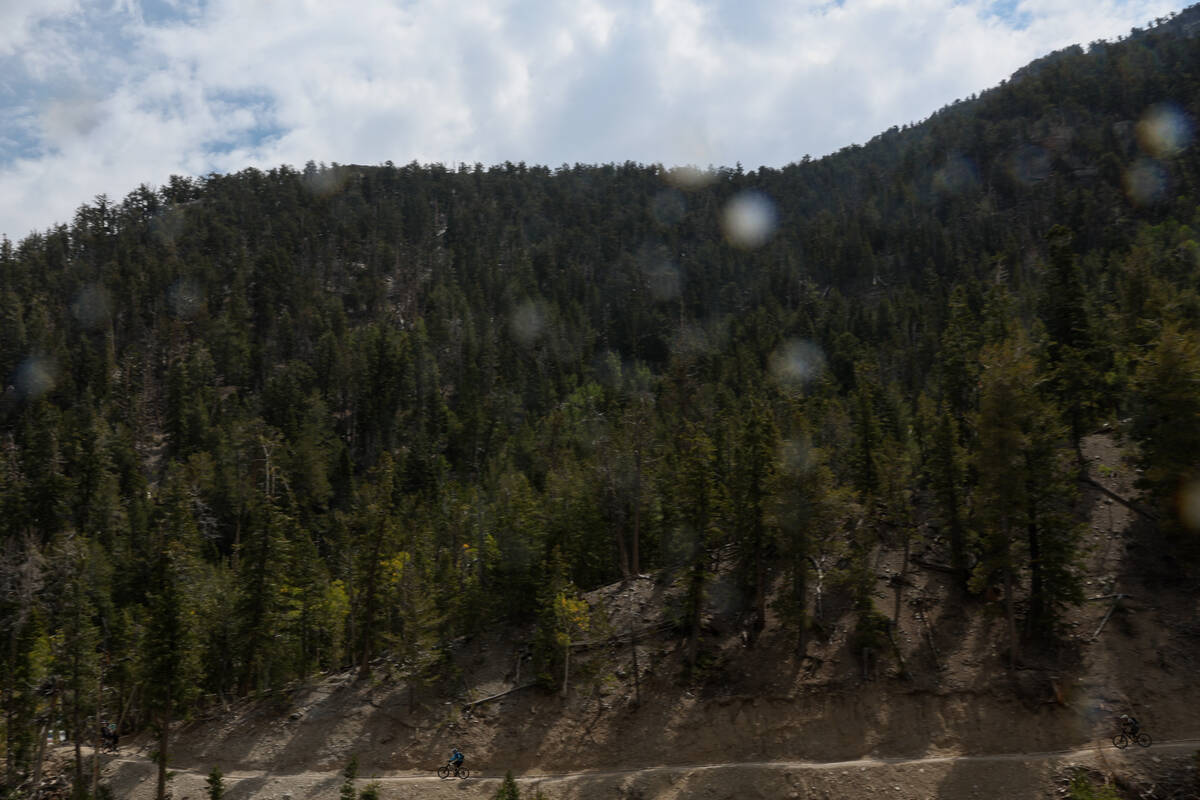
941	774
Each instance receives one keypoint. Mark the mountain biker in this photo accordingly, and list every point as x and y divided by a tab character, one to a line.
1129	725
456	759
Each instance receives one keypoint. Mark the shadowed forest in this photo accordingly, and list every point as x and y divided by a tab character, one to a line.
263	425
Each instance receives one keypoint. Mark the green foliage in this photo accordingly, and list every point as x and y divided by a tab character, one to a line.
871	631
1082	788
1026	489
349	774
562	617
700	512
508	788
751	483
945	464
370	791
809	512
24	660
1167	426
216	784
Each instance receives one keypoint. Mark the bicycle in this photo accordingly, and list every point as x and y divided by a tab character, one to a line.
448	770
1127	737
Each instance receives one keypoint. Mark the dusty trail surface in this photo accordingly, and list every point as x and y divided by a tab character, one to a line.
936	776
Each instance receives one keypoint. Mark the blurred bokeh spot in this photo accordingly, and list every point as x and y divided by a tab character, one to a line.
324	181
749	220
659	272
796	362
957	175
35	376
663	281
1164	131
690	178
92	306
527	323
1145	182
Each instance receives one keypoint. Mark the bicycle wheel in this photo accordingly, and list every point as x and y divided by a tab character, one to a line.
463	772
1121	741
1143	739
444	771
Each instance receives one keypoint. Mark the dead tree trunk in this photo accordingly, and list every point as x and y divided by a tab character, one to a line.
1009	607
637	682
97	732
164	734
566	666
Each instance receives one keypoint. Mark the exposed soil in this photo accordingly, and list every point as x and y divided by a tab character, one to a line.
938	717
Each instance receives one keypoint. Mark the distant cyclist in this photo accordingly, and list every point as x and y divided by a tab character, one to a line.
456	759
1129	726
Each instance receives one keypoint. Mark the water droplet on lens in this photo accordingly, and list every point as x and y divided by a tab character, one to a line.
1164	131
34	377
749	220
527	323
1145	182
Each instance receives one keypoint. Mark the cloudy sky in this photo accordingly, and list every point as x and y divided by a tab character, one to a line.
98	96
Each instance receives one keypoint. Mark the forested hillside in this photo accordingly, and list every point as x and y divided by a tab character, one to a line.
260	425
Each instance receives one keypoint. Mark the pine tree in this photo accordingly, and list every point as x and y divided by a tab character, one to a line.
1024	499
22	569
701	509
752	483
375	542
508	788
808	514
957	364
170	655
75	647
1166	424
216	784
557	601
262	559
1071	350
349	774
945	466
867	439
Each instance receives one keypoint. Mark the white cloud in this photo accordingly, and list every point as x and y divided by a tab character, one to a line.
104	96
19	18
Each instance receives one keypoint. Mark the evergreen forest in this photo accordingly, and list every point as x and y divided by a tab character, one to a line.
261	425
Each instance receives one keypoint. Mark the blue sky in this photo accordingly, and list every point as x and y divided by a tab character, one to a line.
99	97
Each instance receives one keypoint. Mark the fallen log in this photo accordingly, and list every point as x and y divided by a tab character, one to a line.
622	638
946	568
1112	608
490	698
1132	506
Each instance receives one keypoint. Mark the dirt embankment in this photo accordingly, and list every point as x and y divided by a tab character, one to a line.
938	717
